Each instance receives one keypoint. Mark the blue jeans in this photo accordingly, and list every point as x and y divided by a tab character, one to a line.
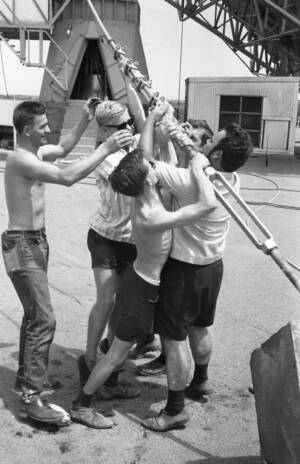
25	255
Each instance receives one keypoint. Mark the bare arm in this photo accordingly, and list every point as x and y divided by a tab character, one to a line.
174	132
206	202
28	165
68	142
146	139
167	151
134	103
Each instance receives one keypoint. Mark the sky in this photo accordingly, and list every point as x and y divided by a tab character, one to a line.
204	54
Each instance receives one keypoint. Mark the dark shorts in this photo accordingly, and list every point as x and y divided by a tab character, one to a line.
110	254
133	314
187	296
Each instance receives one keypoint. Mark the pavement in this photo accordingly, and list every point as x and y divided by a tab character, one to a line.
256	300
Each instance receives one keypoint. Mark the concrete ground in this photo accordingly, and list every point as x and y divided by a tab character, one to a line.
255	301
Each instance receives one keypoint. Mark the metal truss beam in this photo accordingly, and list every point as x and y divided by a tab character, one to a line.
264	34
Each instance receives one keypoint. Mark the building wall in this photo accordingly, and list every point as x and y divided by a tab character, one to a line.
279	111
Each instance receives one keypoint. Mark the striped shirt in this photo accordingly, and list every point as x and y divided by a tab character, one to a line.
112	218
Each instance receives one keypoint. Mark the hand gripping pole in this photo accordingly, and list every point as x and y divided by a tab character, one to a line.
144	86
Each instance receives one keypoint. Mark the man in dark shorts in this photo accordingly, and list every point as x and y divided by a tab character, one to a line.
138	290
199	132
192	276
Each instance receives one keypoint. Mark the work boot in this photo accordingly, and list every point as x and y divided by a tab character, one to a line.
164	422
89	417
36	408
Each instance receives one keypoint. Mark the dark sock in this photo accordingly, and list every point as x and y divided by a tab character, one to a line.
83	400
112	380
200	373
148	339
161	359
175	403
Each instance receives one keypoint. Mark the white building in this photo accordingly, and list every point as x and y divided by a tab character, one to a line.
265	106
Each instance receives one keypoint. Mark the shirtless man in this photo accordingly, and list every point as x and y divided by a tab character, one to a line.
24	245
152	224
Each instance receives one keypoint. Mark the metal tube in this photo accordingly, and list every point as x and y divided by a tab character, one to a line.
286	269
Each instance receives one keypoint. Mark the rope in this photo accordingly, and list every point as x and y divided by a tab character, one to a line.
270	202
180	67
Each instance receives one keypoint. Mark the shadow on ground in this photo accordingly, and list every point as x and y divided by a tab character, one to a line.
63	366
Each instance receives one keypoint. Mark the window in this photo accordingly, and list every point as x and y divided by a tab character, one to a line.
6	137
246	111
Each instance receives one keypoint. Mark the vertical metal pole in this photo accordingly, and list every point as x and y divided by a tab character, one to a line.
180	68
41	53
22	43
28	47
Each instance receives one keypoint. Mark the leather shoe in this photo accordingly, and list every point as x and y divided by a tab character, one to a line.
89	417
196	390
164	422
143	349
36	408
49	386
152	368
121	391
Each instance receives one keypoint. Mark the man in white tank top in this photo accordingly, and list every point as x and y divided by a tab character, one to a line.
191	278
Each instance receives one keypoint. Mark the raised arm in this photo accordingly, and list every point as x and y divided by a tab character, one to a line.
134	103
173	131
167	151
147	136
68	142
205	202
30	166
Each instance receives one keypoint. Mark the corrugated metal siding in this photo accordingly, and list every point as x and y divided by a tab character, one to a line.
113	10
276	135
279	101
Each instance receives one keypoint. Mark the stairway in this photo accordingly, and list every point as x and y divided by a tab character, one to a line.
86	144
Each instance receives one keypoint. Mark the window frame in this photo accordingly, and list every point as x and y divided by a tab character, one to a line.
240	113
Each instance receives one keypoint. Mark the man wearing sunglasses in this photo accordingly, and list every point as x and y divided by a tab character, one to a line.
110	238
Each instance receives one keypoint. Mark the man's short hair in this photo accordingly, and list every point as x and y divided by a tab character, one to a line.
25	112
108	111
202	124
130	174
236	147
